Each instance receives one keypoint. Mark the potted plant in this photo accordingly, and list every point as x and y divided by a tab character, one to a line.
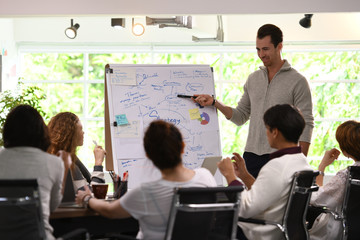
31	95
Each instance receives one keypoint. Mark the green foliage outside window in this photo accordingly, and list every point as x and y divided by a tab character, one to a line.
30	95
53	66
333	78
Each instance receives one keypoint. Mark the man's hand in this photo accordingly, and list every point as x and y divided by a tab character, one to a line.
239	166
204	99
241	170
227	169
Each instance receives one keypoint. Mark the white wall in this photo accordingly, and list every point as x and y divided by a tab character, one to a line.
8	43
325	26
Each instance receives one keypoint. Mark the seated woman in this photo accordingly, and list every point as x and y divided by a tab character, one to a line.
150	203
26	139
331	194
66	134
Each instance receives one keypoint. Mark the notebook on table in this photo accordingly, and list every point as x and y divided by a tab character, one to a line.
210	163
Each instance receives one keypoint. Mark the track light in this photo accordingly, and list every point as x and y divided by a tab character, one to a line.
178	21
118	22
137	28
306	21
71	31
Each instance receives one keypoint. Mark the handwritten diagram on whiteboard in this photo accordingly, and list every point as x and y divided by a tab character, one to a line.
140	94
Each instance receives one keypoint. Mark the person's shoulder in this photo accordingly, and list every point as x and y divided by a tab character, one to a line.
279	161
256	73
52	160
295	74
51	157
202	171
152	185
204	175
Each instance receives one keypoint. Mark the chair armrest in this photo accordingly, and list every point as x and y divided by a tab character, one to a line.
205	207
305	190
119	236
80	233
314	189
324	209
251	220
262	222
318	208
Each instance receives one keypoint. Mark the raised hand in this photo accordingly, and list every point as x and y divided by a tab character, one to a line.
99	154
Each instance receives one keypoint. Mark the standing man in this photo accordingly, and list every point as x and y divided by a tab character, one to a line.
275	83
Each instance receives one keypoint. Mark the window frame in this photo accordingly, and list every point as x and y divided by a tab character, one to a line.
291	48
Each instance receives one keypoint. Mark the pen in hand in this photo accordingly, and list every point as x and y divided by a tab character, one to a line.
95	143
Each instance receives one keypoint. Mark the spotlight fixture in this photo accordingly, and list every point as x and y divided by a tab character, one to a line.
71	31
178	21
219	33
137	28
306	21
118	22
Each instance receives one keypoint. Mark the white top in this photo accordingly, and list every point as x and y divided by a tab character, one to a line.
330	195
150	203
269	194
30	163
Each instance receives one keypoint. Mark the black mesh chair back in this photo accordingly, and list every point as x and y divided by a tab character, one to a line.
20	210
204	213
351	205
293	225
294	218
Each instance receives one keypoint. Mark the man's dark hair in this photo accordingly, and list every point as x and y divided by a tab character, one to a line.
287	119
271	30
24	127
163	144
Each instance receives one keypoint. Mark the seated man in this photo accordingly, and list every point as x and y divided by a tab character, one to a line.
266	197
150	203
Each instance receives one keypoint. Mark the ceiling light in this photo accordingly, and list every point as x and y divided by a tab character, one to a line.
71	31
306	21
178	21
118	22
219	33
137	28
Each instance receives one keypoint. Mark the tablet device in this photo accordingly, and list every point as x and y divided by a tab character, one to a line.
68	200
210	163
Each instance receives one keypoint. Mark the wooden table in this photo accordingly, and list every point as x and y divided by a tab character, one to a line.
69	212
64	220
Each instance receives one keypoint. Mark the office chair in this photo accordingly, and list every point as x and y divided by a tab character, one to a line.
350	210
21	214
201	213
204	213
293	225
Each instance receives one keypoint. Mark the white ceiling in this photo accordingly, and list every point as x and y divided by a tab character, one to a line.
46	20
144	7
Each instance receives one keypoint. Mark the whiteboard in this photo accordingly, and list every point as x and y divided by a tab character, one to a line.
139	94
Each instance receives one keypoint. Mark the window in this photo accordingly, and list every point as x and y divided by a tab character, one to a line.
73	80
